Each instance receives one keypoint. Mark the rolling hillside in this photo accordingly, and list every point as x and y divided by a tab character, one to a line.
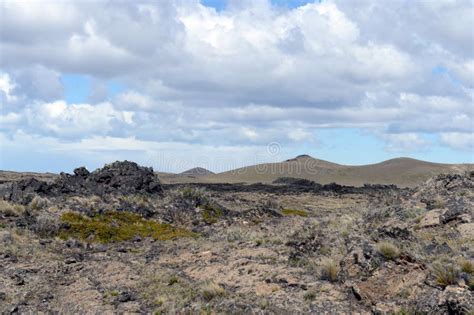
403	172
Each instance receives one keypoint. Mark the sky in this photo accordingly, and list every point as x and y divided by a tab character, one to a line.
224	84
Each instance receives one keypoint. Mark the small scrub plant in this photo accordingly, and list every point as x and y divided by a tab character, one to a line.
192	195
46	225
438	204
113	226
173	280
11	210
211	290
467	266
293	212
445	273
388	250
329	270
310	295
37	203
211	213
272	204
470	284
154	287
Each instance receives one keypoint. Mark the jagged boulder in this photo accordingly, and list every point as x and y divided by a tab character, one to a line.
118	177
124	177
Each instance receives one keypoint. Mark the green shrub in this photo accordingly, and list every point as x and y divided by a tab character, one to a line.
388	250
293	212
113	226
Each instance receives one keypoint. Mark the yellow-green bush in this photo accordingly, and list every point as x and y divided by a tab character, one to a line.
293	212
329	270
211	213
11	210
113	226
445	273
388	250
467	266
211	290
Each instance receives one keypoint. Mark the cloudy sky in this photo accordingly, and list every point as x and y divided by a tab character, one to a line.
221	84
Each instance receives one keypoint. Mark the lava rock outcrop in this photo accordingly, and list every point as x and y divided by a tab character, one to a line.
118	177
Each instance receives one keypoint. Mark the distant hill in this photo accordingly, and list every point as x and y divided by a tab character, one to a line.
403	172
197	171
8	176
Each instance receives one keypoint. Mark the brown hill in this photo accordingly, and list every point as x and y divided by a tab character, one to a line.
403	172
197	171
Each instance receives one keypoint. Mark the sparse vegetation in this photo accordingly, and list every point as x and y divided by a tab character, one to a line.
11	210
211	213
37	203
263	254
115	226
310	294
293	212
192	195
172	280
46	225
445	273
329	270
467	266
388	250
156	289
211	290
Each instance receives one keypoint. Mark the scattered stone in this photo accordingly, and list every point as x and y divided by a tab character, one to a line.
70	260
125	297
394	230
18	280
431	218
457	300
355	290
456	213
72	243
466	230
6	237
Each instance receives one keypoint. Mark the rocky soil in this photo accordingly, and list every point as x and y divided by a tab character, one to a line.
116	240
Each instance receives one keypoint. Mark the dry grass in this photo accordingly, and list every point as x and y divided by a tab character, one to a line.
211	290
388	250
38	203
166	292
46	225
467	266
445	273
329	270
11	210
293	212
